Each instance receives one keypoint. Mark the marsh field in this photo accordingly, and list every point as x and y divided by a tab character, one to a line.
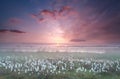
59	62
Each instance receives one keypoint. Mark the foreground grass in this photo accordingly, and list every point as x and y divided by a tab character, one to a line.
67	75
6	74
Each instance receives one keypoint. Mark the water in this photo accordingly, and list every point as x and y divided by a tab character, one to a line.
30	47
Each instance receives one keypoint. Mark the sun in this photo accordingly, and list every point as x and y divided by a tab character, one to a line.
59	40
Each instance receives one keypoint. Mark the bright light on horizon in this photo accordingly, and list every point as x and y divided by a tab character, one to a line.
59	40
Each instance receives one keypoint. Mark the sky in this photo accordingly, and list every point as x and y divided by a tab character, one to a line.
60	21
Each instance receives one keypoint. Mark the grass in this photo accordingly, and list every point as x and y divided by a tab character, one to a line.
67	75
5	74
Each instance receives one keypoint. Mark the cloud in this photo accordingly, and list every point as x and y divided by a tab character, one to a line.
12	22
34	16
47	12
64	8
41	20
92	20
15	20
77	40
97	24
11	30
17	31
3	30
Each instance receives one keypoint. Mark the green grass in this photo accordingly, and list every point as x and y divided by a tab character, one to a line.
5	74
67	75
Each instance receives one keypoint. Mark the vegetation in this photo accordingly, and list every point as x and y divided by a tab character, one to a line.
32	67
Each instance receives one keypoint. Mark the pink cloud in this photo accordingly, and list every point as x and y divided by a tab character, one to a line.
33	16
47	13
77	24
12	22
65	8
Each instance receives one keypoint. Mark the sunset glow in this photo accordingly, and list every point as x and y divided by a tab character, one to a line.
60	21
59	40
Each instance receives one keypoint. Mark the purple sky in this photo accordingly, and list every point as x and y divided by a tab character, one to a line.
60	21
